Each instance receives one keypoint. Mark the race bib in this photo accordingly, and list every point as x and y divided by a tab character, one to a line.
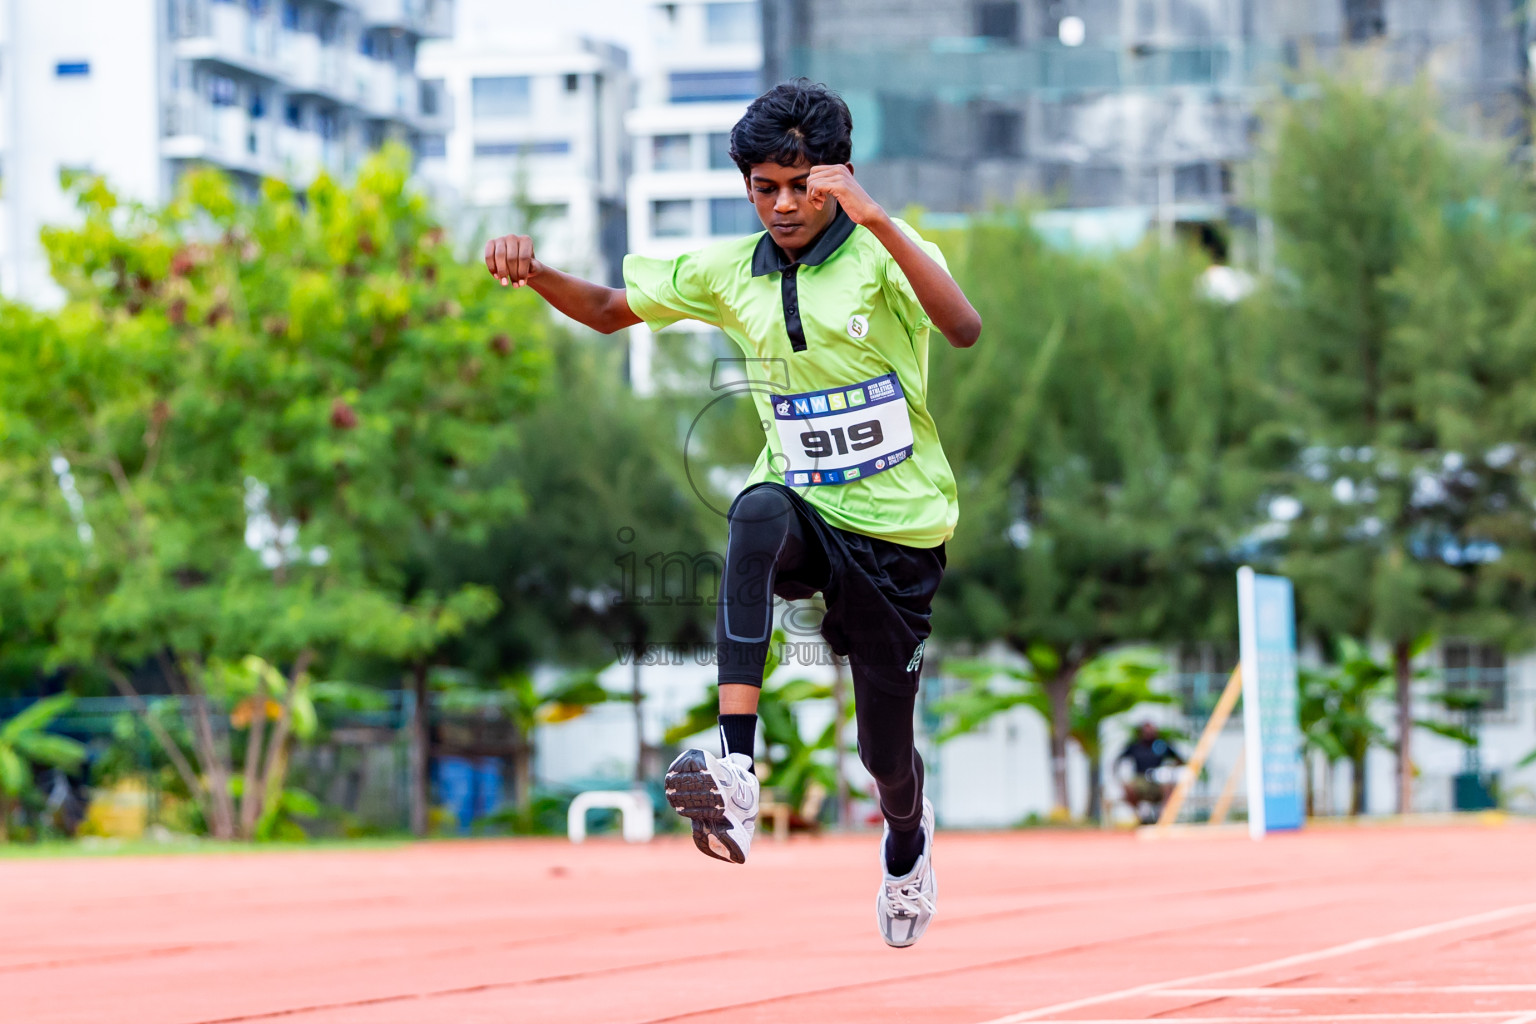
843	434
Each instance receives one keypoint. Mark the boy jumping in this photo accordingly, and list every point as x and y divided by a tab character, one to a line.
851	496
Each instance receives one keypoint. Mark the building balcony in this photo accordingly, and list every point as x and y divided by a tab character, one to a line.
430	19
301	154
301	59
355	78
391	93
314	67
195	129
225	33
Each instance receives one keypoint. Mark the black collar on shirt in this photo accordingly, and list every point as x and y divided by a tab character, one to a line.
768	258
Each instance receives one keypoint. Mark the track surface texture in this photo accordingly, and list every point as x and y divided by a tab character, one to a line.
1344	925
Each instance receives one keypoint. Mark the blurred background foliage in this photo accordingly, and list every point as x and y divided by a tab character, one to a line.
301	430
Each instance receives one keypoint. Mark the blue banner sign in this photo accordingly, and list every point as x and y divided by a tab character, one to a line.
1266	615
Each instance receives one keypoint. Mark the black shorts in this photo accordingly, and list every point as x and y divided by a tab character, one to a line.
879	597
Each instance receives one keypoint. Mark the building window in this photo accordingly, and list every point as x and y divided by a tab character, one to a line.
543	147
572	83
1477	668
290	15
904	122
1001	134
713	86
733	217
501	97
1364	20
433	146
672	153
720	152
731	24
221	91
72	68
431	97
293	115
998	21
1194	183
672	218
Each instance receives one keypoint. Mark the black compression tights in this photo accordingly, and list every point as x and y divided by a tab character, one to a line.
767	536
889	752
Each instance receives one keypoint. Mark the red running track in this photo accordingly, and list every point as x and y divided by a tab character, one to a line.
1340	925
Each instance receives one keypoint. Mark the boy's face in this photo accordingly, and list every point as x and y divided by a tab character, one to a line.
778	192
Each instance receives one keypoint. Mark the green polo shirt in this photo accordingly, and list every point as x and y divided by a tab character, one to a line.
842	315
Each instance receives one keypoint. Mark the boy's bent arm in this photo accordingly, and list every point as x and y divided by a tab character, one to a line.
511	261
601	308
941	298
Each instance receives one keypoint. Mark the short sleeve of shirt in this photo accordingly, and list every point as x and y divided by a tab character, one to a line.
898	290
662	292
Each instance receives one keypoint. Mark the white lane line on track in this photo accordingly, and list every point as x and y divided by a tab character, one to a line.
1283	992
1345	949
1525	1018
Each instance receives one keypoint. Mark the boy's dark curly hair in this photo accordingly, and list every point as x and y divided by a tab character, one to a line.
797	120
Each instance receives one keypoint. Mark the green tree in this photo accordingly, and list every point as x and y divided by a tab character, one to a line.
24	742
1335	714
1404	318
1105	439
263	410
1110	684
614	555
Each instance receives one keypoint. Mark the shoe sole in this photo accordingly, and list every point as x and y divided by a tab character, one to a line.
691	792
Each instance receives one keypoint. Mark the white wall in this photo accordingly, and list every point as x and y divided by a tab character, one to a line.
482	190
1507	736
602	743
107	120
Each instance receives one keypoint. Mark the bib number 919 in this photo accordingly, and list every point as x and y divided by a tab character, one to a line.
819	444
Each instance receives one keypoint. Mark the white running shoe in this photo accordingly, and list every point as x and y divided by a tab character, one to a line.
906	904
719	795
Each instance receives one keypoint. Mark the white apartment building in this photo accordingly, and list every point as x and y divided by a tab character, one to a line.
138	90
685	192
537	145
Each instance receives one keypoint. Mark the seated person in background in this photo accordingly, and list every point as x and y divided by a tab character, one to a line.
1147	752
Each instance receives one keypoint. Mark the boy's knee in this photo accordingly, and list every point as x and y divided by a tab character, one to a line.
886	764
763	507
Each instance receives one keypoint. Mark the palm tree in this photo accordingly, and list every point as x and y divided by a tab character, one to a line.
1110	685
24	742
1107	685
1335	712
